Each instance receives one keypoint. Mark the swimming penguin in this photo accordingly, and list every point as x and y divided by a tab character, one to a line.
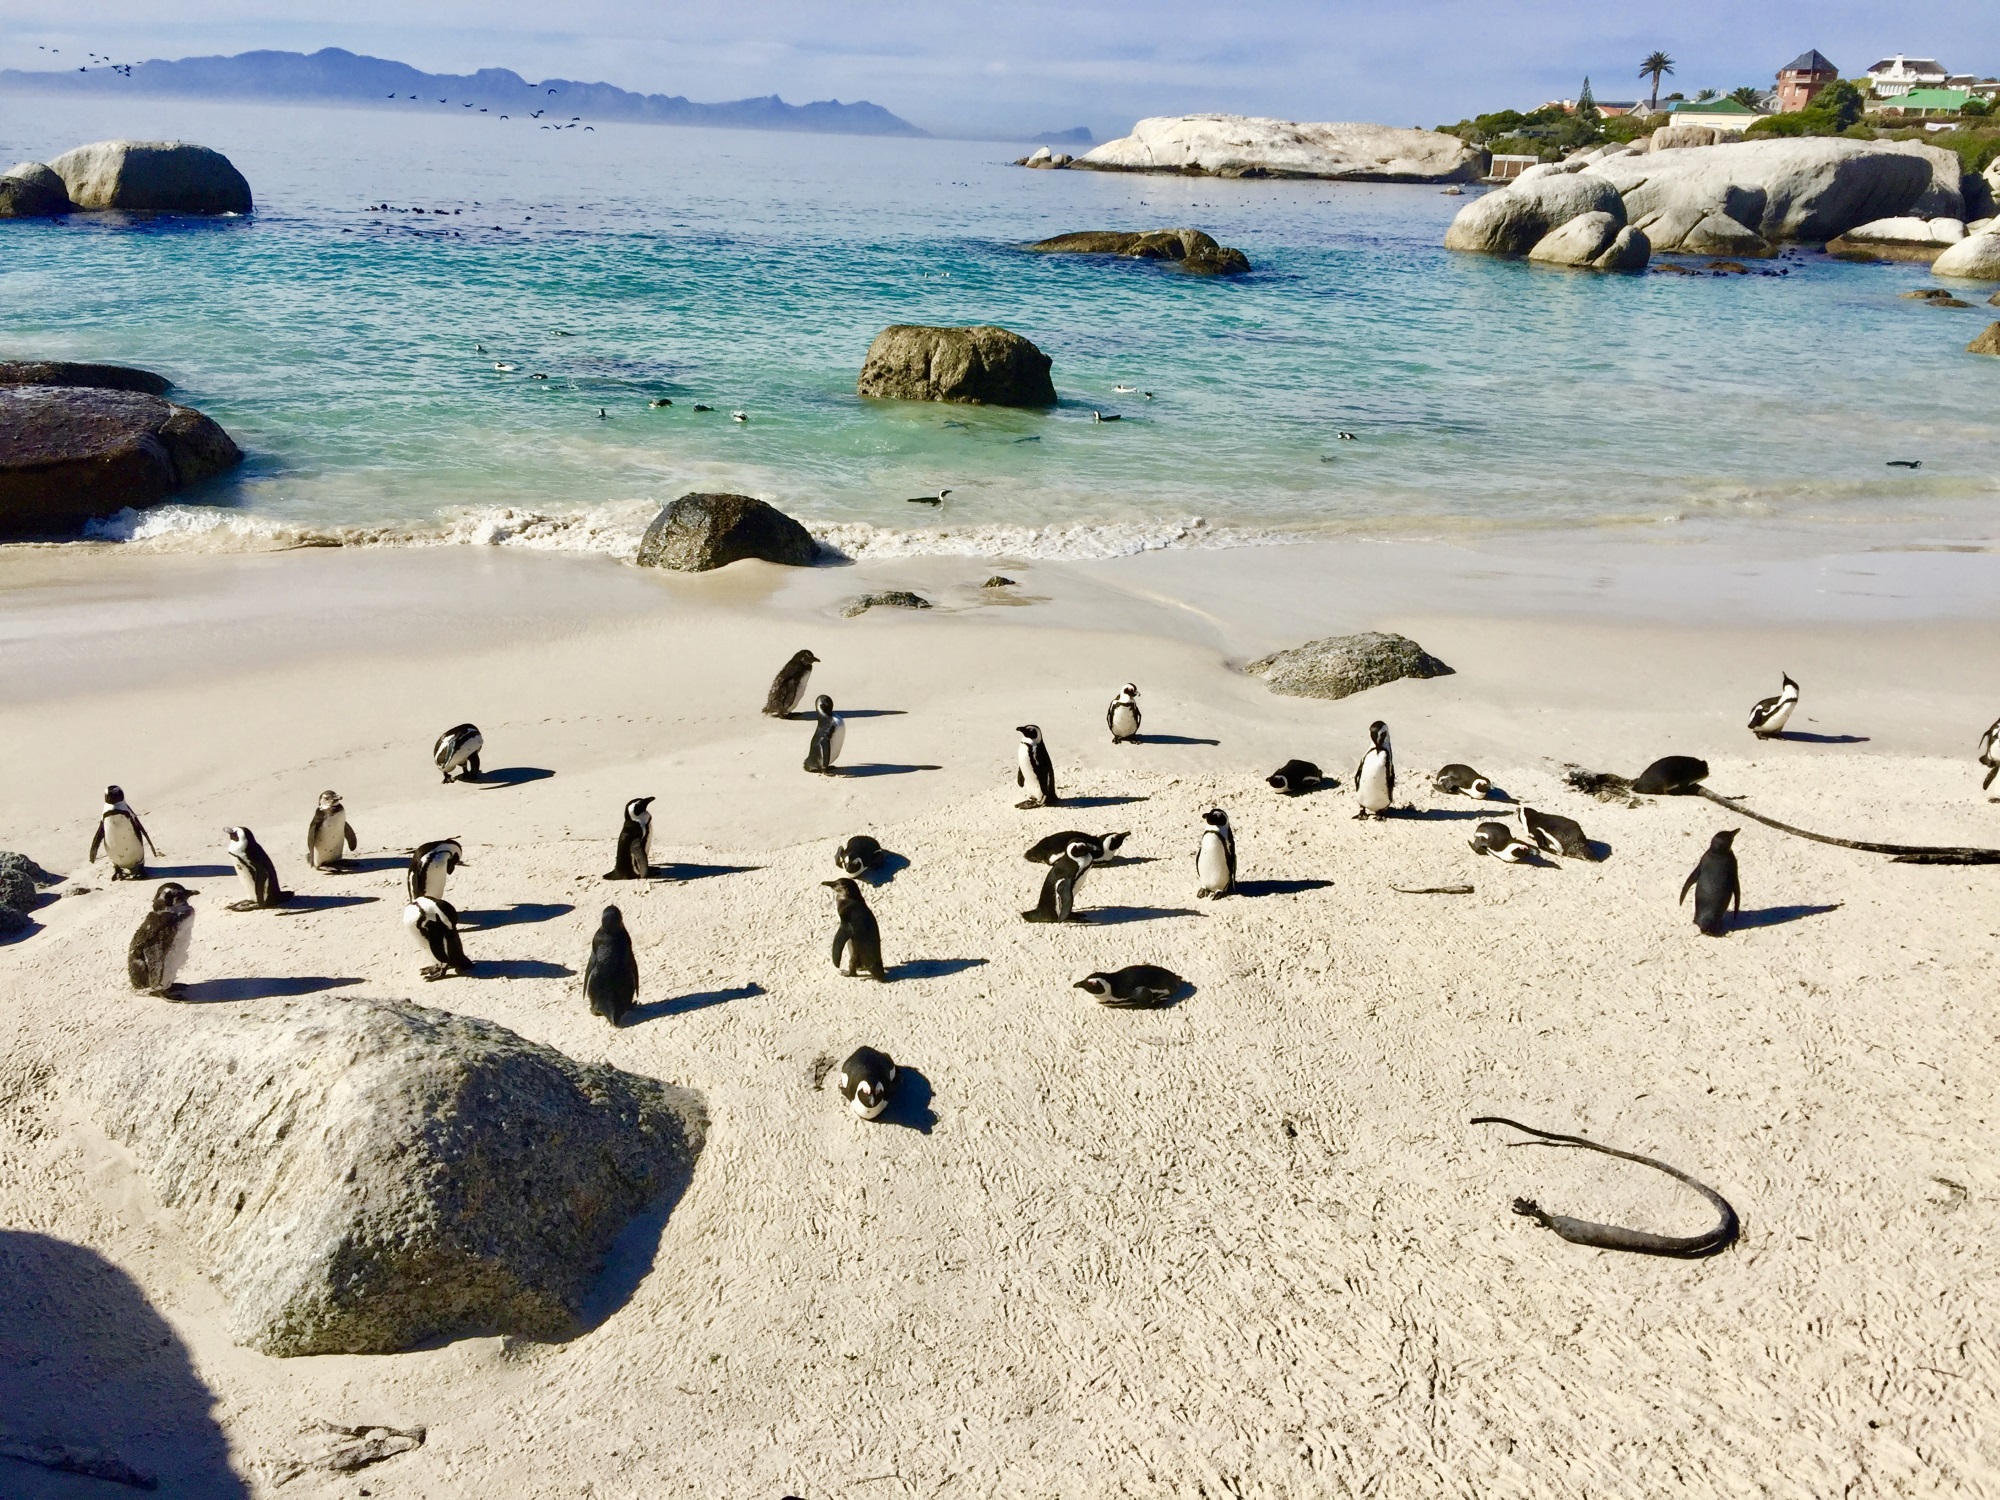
1715	885
789	685
1215	857
635	843
611	977
330	836
121	835
1768	716
1671	776
1375	777
457	749
1461	780
829	734
255	870
160	946
1102	846
858	855
1134	987
1032	765
1122	717
1295	777
433	926
1498	840
1989	742
867	1082
1556	834
857	933
430	865
1058	901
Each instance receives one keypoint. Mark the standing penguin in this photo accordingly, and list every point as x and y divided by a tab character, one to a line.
1375	777
857	934
1058	902
1768	715
1032	764
160	946
867	1081
829	735
611	977
431	864
1295	777
1122	717
1988	743
634	860
121	835
1215	857
433	926
457	749
1715	885
255	870
789	685
331	836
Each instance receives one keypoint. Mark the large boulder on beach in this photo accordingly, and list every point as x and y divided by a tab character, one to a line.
1219	145
70	372
1191	249
153	177
700	532
30	190
1516	218
1974	258
1593	242
71	454
21	880
358	1176
983	366
1343	665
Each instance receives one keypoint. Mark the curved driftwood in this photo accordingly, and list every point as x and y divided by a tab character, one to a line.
1902	854
1611	1236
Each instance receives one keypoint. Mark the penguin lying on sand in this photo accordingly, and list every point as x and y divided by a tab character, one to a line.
121	835
858	855
857	936
611	977
1671	776
255	870
829	735
1768	715
457	749
1498	840
1295	777
1557	834
433	926
1056	845
1135	987
160	947
867	1081
1032	765
634	860
1215	856
1058	902
1461	780
1716	886
789	685
1122	717
330	838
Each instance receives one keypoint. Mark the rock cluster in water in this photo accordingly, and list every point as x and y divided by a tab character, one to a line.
982	366
886	599
1343	665
1190	249
1218	145
700	532
173	177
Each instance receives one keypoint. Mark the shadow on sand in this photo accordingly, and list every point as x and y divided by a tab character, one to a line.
681	1005
221	991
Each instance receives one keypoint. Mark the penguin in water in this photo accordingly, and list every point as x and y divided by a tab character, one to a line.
1462	781
858	855
430	865
857	934
829	734
1056	845
1215	857
1768	715
1715	884
1375	777
634	859
1296	777
121	835
1134	987
1058	902
789	685
611	977
1498	840
867	1082
330	837
1032	764
457	749
1556	834
1122	717
255	870
433	926
1989	744
160	946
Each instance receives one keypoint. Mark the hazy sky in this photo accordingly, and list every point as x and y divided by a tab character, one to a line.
958	68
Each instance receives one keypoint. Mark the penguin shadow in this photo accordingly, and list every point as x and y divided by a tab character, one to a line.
520	968
1090	802
20	931
681	1005
1279	887
932	968
1777	916
513	916
1436	814
188	872
880	768
696	872
223	991
859	713
297	905
1118	916
507	776
1807	737
368	864
1171	739
885	869
910	1105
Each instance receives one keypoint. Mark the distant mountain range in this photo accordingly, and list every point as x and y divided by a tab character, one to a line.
332	75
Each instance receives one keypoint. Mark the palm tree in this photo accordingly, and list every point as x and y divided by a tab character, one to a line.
1748	97
1656	66
1704	96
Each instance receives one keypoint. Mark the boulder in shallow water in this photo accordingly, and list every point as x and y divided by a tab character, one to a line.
1987	342
1595	242
358	1176
700	532
1718	234
1514	219
982	366
1903	238
885	599
1342	665
1191	249
32	191
71	454
68	372
174	177
1221	145
1974	258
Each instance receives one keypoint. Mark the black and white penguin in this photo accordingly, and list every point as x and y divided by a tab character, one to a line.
1375	777
1032	767
857	939
1462	781
160	946
457	749
1122	717
1498	840
1102	846
431	865
1989	743
1671	776
829	734
858	855
1134	987
867	1081
330	836
1215	856
1058	900
1768	715
789	685
1716	885
1295	777
433	926
121	835
611	977
1556	834
634	859
255	870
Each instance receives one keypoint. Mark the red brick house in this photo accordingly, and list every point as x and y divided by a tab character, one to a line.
1801	78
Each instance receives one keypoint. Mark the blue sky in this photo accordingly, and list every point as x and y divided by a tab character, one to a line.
959	67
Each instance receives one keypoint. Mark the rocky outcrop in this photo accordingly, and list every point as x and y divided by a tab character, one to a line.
1189	248
1594	242
21	880
1343	665
885	599
700	532
1247	146
67	372
1045	159
1987	342
32	191
358	1176
71	454
1904	238
984	366
1669	137
153	177
1974	258
1515	219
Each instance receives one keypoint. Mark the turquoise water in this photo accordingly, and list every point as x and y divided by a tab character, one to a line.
750	271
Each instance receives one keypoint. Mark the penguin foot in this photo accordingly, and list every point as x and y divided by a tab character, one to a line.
432	972
243	906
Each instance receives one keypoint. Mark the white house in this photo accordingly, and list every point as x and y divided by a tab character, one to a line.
1716	114
1895	76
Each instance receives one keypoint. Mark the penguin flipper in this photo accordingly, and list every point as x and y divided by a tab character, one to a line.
1991	771
1693	875
97	840
352	842
141	827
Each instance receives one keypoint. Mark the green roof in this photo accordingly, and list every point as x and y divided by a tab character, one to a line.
1930	99
1715	107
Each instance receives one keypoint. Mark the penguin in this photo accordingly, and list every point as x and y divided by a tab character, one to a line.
1768	715
858	855
433	927
1556	834
867	1082
1215	858
611	977
160	946
1056	845
1715	884
1032	764
330	836
829	734
1375	777
1122	717
457	749
1134	987
430	865
1671	776
121	835
1989	742
1295	777
635	843
857	933
255	870
1460	780
789	685
1498	840
1058	901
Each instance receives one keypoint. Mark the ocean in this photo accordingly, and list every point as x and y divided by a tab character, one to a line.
354	351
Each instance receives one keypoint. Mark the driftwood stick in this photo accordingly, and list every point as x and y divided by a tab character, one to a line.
1905	854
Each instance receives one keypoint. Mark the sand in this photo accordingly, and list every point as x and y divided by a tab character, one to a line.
1246	1246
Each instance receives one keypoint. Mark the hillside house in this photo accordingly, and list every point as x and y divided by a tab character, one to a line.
1801	78
1893	77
